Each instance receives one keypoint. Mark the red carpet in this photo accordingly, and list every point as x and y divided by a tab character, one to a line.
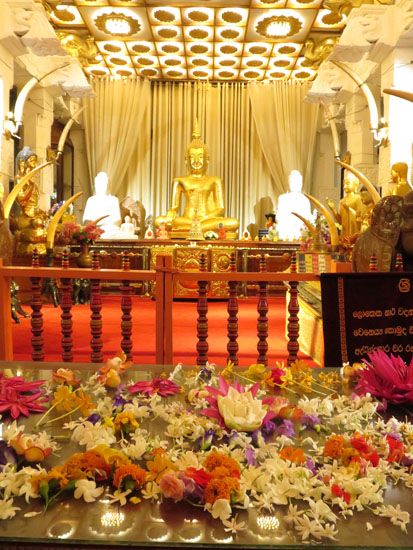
184	331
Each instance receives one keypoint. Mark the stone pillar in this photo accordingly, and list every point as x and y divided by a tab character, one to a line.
397	72
326	173
6	146
360	141
37	124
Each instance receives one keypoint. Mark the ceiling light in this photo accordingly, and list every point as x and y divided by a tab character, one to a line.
117	24
279	26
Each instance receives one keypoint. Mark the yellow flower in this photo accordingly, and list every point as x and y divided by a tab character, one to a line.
125	421
229	370
112	456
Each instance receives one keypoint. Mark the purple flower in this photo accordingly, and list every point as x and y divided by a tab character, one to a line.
310	420
250	456
94	418
311	465
204	443
7	455
286	428
268	428
257	438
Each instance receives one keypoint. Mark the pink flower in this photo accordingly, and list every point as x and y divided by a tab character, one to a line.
386	377
20	397
172	487
159	386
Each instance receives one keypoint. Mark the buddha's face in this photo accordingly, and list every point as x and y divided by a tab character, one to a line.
32	162
101	184
295	181
350	184
197	160
365	197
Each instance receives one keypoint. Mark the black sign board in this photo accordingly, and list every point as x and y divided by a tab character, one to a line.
363	311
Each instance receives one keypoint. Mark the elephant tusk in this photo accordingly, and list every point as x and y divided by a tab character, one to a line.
8	203
399	93
308	225
66	131
51	231
329	219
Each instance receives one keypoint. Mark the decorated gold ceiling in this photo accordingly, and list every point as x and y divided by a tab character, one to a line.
208	39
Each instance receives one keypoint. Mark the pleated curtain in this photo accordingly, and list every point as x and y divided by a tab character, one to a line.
112	121
252	142
287	129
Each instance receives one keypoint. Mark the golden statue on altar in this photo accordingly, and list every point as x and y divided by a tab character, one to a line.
32	221
350	207
204	196
399	178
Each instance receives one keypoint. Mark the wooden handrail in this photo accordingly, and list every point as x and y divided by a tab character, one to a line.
164	277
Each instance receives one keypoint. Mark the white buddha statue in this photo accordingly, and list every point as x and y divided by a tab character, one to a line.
101	204
289	226
127	229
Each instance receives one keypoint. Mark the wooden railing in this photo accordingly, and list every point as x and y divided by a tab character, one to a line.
165	277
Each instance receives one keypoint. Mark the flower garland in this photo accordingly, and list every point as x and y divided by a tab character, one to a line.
258	438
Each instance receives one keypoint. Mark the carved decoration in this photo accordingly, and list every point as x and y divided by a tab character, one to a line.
84	48
317	52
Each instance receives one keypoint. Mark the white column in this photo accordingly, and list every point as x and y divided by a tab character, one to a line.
6	146
81	171
397	72
360	141
37	124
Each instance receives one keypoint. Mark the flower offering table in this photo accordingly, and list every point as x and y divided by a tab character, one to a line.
159	457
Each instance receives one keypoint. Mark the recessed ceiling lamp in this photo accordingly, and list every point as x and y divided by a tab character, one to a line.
117	24
278	26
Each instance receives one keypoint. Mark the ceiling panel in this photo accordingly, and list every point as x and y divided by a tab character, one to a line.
201	39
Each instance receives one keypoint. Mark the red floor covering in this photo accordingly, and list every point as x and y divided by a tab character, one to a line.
184	331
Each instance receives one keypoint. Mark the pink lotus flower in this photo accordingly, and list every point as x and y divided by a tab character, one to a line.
20	397
386	377
160	386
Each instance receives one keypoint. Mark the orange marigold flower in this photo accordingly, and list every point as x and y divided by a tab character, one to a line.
220	488
55	473
334	446
293	455
159	466
86	465
220	460
134	473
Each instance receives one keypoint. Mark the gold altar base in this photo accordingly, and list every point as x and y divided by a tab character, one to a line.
178	234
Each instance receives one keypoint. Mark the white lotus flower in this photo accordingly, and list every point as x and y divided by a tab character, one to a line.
241	411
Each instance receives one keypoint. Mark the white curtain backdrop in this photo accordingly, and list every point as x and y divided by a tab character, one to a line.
112	120
287	128
138	132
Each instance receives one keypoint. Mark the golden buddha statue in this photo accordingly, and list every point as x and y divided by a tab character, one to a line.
203	194
366	209
6	238
32	221
350	207
399	178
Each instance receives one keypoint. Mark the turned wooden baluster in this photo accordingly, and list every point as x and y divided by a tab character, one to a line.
126	306
373	263
66	322
293	325
202	321
262	322
232	323
37	315
398	266
96	342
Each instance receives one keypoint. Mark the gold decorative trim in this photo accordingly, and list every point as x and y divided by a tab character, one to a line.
294	23
102	20
342	319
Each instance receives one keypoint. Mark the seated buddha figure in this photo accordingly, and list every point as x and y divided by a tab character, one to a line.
203	194
350	207
32	221
288	225
102	205
399	178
